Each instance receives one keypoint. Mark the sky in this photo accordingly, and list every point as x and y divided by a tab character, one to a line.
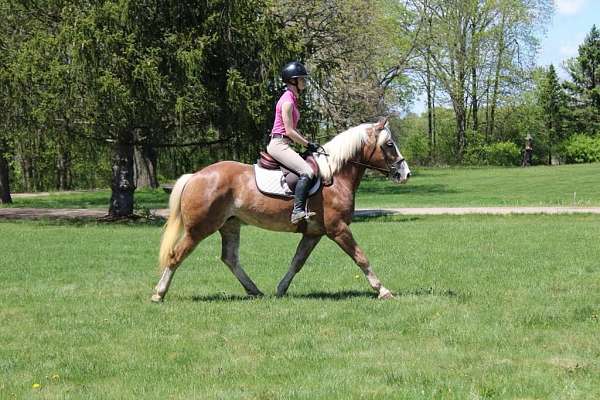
572	21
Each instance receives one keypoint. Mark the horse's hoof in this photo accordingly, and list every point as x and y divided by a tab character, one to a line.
156	298
385	294
256	295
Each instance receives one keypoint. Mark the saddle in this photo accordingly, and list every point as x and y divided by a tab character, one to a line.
272	177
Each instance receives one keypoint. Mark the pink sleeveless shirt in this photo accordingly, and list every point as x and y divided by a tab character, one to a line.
287	97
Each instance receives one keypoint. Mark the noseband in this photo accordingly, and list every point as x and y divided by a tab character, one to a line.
385	158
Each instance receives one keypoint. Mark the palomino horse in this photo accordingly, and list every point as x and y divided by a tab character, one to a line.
223	196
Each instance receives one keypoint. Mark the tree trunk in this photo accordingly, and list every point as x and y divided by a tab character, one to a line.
429	108
145	167
475	102
497	78
62	169
123	185
433	120
487	111
27	173
458	97
5	197
459	111
494	102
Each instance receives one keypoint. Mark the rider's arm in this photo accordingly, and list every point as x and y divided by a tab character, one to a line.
286	114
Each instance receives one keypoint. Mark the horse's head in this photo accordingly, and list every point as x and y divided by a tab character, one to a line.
381	153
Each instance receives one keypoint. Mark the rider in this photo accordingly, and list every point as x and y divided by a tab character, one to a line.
284	133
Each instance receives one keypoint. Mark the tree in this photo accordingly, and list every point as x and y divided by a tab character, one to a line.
477	50
353	54
585	86
5	197
158	76
553	103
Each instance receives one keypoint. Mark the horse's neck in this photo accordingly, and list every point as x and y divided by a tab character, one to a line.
350	176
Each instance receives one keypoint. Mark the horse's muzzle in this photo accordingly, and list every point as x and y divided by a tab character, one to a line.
400	173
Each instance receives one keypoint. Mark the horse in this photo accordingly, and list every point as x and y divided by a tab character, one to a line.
224	196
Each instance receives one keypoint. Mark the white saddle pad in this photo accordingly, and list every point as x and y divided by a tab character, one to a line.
272	181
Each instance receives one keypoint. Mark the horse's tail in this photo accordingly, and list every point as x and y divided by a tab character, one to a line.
174	226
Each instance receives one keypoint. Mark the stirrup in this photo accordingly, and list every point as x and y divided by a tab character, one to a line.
299	216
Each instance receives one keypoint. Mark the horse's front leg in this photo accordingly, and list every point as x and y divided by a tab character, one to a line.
305	247
343	237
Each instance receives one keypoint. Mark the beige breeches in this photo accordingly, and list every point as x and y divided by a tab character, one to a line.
279	149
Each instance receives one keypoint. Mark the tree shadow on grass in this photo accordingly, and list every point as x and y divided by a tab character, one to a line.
374	214
76	221
419	190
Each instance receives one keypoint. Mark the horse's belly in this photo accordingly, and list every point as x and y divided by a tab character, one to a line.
278	219
269	212
273	221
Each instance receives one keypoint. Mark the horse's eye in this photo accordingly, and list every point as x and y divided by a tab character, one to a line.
390	144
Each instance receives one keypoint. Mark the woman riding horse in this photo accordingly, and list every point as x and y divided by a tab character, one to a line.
284	132
224	196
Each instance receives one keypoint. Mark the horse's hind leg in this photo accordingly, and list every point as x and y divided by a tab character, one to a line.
181	251
230	242
305	247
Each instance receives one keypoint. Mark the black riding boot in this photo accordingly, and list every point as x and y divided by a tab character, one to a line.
300	195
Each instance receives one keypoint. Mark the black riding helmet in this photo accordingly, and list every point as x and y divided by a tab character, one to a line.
293	70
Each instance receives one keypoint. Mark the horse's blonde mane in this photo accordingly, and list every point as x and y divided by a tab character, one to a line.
344	146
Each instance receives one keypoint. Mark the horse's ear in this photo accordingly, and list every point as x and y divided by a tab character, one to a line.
381	123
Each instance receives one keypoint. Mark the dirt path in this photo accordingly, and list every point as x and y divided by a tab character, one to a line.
74	213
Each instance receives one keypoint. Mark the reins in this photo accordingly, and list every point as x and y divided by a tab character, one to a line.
385	171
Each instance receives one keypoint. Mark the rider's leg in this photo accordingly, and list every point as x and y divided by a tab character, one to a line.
300	195
279	149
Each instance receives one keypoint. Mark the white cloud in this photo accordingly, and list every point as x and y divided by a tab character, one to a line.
569	7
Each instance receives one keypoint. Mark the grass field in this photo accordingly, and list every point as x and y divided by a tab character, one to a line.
565	185
146	198
486	308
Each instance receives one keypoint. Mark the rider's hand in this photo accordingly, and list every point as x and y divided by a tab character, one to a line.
312	147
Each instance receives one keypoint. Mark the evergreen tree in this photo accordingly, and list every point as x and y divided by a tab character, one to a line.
553	103
585	86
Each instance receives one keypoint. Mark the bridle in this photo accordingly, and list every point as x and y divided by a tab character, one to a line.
385	158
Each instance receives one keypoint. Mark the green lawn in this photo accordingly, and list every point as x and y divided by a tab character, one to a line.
146	198
487	307
565	185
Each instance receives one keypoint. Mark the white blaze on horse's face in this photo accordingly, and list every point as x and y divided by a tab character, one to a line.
399	170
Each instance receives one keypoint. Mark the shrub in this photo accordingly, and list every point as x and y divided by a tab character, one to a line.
501	153
416	149
581	149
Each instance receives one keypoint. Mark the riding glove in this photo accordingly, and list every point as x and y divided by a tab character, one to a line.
312	147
